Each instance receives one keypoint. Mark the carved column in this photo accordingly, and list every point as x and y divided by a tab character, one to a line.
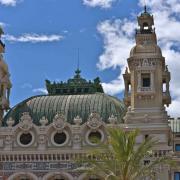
126	88
139	81
77	133
152	80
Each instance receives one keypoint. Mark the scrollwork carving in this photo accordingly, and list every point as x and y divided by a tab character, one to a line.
42	139
8	140
112	119
26	122
77	138
94	121
59	121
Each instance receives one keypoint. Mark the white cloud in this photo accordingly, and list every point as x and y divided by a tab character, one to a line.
26	85
34	38
99	3
117	43
8	2
65	31
173	109
118	40
2	24
114	87
40	90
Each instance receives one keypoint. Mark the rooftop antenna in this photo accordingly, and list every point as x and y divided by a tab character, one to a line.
145	7
78	71
78	60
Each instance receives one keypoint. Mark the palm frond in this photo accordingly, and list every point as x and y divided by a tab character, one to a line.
122	159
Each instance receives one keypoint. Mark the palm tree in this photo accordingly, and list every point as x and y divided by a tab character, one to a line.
122	159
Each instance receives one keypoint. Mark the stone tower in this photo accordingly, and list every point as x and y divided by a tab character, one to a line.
5	84
147	77
147	91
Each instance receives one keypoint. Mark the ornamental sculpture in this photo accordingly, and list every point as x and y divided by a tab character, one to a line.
59	121
43	121
5	83
10	122
112	119
77	120
26	122
94	121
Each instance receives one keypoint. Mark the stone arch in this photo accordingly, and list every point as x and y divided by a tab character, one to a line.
54	174
85	177
20	174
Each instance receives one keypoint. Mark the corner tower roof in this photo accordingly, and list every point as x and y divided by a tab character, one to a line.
146	21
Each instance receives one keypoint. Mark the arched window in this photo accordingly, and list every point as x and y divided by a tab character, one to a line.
23	176
58	177
145	26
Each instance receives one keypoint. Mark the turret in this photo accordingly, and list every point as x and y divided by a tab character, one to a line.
147	77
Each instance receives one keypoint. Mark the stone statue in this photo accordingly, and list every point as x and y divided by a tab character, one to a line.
5	86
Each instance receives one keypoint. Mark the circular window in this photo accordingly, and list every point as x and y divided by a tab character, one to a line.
95	137
59	138
25	138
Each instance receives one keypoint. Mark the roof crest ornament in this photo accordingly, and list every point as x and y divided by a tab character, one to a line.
74	86
25	122
59	121
94	121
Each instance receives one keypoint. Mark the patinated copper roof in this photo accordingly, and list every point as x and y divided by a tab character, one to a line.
70	106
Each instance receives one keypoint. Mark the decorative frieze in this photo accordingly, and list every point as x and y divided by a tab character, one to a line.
38	166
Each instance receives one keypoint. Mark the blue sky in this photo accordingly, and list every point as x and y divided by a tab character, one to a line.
42	39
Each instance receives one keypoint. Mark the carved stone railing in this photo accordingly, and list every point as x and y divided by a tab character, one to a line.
55	157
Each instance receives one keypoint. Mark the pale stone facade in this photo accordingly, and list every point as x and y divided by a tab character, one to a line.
33	147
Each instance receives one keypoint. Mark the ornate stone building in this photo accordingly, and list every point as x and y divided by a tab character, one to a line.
40	137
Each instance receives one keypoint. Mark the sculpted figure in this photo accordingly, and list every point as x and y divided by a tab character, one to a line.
5	86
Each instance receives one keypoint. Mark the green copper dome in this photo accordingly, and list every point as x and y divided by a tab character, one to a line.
69	105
